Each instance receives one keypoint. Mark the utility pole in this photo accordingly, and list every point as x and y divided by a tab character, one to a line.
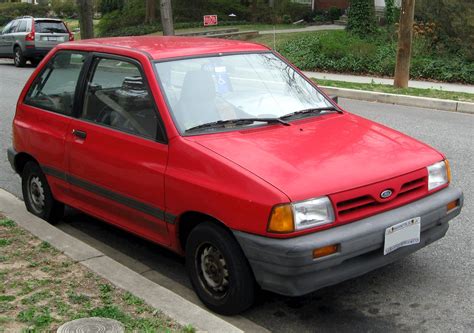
167	17
405	35
86	15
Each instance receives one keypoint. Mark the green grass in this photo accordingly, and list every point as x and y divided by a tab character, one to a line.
432	93
40	289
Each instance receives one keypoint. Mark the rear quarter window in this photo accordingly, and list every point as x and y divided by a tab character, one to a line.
50	27
54	88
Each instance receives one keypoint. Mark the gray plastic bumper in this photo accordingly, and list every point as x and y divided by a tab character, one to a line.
286	266
11	153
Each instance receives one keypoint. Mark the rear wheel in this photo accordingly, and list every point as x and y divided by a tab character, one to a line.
18	57
219	271
37	194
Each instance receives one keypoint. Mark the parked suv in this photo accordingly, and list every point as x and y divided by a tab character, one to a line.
225	153
29	38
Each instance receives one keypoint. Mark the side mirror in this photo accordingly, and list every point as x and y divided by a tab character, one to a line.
334	98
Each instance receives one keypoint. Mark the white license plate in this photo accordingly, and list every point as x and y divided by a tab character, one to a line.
52	39
402	234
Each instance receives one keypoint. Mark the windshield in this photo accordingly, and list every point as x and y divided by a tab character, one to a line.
211	89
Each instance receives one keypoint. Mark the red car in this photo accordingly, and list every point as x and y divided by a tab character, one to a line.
222	151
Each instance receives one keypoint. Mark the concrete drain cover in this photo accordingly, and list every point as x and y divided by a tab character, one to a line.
92	325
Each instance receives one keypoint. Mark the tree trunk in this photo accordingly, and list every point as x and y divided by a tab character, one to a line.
86	15
167	18
150	11
405	34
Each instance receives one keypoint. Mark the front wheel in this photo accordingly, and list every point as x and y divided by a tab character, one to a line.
219	272
37	194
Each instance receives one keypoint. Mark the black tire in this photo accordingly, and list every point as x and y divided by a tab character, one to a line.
37	194
235	290
35	62
18	57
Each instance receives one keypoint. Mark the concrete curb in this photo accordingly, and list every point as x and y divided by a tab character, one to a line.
422	102
171	304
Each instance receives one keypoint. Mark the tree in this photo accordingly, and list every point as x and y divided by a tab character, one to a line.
405	34
86	15
361	20
150	11
166	17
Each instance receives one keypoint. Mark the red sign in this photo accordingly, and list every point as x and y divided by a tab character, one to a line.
210	20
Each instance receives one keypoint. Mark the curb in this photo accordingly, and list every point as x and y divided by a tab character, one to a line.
176	307
422	102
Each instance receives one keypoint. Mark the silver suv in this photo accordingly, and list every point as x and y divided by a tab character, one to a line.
29	38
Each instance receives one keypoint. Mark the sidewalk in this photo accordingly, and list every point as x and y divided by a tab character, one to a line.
305	29
412	83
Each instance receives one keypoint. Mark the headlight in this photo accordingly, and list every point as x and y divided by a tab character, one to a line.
301	215
439	174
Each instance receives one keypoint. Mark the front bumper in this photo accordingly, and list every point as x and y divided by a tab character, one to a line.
286	266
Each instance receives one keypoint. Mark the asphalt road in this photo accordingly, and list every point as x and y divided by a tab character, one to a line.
431	290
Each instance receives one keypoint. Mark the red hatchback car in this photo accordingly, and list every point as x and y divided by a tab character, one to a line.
224	152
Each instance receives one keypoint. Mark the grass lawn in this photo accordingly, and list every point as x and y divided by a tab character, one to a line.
40	289
432	93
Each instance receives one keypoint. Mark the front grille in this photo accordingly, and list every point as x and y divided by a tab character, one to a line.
365	201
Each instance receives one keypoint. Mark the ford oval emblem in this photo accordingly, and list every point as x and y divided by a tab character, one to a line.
386	194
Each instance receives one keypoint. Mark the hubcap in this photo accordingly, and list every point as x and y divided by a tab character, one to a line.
36	194
212	268
17	57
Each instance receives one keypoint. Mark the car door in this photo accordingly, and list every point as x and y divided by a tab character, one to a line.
44	116
116	149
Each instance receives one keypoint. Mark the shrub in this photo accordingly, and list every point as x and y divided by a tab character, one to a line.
361	20
64	8
11	10
339	51
335	13
132	14
107	6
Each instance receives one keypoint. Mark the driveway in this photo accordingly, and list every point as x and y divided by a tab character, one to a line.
431	290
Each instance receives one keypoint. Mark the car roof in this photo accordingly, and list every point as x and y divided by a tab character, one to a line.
47	19
159	47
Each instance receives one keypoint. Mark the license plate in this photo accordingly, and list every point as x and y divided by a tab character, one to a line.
402	234
52	39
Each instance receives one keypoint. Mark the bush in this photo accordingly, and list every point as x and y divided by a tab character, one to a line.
339	51
335	13
107	6
9	11
64	8
361	20
132	14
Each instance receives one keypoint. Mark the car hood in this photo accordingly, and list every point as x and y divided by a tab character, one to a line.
321	155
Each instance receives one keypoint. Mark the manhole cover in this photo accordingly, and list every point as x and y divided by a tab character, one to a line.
92	325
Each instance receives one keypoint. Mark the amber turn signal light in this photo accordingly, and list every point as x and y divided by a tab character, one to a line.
452	205
324	251
448	170
281	220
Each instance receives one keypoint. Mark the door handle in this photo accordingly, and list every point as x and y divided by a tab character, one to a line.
79	134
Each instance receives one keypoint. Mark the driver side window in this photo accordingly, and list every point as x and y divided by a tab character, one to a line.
117	96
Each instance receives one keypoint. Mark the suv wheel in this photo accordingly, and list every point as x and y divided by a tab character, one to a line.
18	58
37	194
218	269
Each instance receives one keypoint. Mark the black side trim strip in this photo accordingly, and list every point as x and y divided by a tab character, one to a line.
114	196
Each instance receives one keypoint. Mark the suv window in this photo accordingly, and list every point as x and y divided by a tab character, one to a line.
14	25
6	30
54	88
22	26
117	96
50	27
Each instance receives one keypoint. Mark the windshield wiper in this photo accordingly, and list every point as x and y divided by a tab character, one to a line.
237	122
309	111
